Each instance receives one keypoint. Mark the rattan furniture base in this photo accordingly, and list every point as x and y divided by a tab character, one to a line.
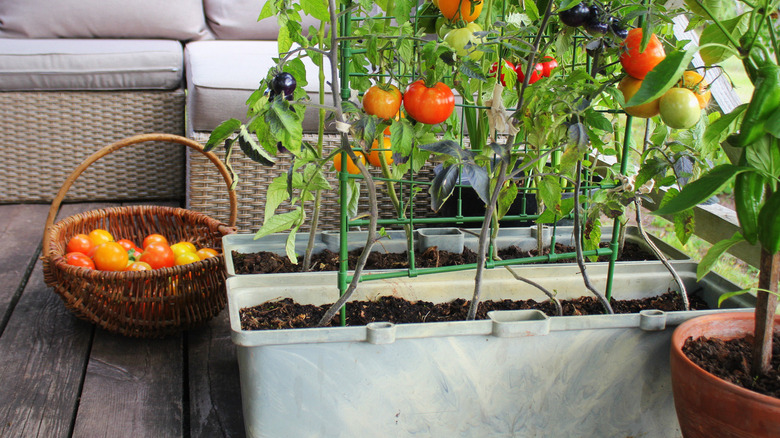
45	134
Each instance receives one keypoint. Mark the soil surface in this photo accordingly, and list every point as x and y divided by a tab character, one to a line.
268	262
285	313
730	360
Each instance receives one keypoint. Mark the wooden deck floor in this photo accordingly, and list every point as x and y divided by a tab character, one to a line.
62	377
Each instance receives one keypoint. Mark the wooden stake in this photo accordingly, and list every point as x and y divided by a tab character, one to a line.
766	304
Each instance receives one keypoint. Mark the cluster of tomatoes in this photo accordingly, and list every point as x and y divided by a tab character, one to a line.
99	250
541	70
680	107
593	19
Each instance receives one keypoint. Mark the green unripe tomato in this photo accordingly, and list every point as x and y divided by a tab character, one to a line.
464	42
679	108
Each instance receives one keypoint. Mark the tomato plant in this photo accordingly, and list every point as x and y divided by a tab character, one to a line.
464	42
429	105
383	101
79	259
351	167
154	238
679	108
695	82
158	255
466	10
373	155
636	63
80	243
110	256
629	86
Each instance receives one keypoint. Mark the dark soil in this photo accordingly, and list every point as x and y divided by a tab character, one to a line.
287	314
270	263
730	360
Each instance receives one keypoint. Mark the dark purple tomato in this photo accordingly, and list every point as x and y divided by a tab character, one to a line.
284	83
617	29
597	22
576	16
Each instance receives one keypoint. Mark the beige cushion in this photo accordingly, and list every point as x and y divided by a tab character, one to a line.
221	75
90	64
237	20
173	19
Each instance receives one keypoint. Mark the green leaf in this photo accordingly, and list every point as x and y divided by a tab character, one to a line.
269	10
549	216
598	120
718	130
401	137
713	35
221	133
683	225
253	150
726	296
663	76
505	199
353	197
402	10
550	191
442	186
283	40
773	123
764	155
714	254
315	178
317	9
279	222
289	247
702	189
275	194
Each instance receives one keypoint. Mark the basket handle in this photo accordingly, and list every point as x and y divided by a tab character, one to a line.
170	138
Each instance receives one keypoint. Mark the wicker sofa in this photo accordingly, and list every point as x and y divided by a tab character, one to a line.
76	75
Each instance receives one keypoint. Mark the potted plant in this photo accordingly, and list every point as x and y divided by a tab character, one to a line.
303	356
707	404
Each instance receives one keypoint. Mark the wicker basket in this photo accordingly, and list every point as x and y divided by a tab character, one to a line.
147	303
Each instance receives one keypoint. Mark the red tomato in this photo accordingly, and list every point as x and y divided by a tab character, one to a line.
128	244
79	259
535	75
110	256
154	238
507	65
80	243
429	105
383	101
548	65
639	64
158	255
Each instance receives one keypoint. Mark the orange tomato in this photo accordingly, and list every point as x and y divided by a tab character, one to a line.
398	116
154	238
110	256
99	235
382	101
373	155
695	82
138	266
629	86
350	166
128	244
80	243
205	253
467	10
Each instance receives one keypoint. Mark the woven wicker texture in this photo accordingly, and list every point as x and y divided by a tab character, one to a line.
148	303
44	135
204	193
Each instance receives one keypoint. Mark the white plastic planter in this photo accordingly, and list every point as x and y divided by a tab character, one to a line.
395	242
520	373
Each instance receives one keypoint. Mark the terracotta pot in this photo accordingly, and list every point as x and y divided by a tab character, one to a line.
708	406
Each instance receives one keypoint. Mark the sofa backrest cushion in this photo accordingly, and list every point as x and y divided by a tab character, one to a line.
237	20
165	19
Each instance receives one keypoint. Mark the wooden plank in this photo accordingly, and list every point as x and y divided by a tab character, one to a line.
21	231
215	391
132	387
44	355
